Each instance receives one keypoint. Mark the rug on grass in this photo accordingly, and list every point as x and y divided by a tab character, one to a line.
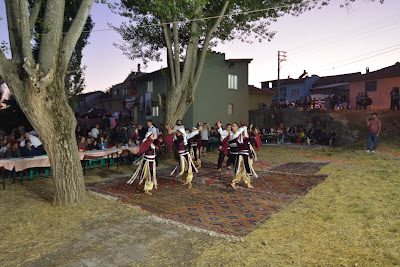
212	204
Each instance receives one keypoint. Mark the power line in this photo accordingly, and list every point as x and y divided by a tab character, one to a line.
360	59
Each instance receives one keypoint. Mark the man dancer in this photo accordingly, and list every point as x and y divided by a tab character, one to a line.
185	163
243	163
224	147
146	171
195	144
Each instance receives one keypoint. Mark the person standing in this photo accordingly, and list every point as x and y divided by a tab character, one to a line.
358	101
396	98
204	137
224	147
374	128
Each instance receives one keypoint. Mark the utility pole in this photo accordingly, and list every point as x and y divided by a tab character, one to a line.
281	57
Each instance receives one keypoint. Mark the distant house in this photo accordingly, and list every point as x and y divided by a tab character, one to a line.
258	97
291	89
332	85
86	101
121	95
377	84
222	93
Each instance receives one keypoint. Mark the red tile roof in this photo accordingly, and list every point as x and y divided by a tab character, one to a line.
391	71
253	89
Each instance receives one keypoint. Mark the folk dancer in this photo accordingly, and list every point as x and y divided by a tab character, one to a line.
185	164
224	147
146	171
243	163
195	144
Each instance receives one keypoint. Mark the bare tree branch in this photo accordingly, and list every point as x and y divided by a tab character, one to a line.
168	40
74	32
34	14
176	46
14	33
25	32
50	43
206	43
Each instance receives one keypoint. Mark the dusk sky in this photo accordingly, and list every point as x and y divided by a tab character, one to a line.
326	41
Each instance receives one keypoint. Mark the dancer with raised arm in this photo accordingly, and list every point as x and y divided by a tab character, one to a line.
243	163
185	165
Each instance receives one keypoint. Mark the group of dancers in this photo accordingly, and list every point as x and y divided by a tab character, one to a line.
236	144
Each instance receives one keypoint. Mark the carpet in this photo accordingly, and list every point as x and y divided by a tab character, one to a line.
212	204
301	168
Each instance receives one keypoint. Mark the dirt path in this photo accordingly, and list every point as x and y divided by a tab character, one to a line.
128	239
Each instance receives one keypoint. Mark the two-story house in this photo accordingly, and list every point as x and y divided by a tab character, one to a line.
222	93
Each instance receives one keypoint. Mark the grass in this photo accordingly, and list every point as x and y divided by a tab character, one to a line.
352	218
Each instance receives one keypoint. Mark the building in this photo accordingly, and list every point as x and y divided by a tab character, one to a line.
377	84
332	85
222	93
291	89
85	102
258	97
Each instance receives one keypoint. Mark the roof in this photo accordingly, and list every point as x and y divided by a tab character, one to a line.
391	71
90	93
342	78
248	60
333	85
293	81
253	89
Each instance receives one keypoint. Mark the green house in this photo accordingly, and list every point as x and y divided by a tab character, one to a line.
222	93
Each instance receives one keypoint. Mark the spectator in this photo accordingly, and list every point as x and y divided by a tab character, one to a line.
178	125
332	137
374	128
102	143
3	150
367	101
204	137
35	142
396	98
28	150
13	151
90	144
82	143
95	131
358	101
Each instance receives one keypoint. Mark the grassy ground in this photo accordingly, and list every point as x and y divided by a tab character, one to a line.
352	218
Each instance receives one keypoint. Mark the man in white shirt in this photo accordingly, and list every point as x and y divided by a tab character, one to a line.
178	125
95	131
35	142
204	137
152	129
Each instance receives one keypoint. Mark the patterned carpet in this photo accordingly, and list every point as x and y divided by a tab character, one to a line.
212	204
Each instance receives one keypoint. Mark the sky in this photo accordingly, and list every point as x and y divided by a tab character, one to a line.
327	41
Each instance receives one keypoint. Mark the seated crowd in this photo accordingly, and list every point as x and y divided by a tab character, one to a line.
298	134
20	143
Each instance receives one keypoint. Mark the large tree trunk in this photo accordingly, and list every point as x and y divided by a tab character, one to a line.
51	116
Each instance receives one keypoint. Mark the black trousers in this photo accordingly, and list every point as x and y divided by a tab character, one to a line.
221	158
396	104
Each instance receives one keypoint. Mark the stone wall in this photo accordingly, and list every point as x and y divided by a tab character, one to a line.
345	131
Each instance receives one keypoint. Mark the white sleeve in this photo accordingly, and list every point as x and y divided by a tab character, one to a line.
223	133
190	135
239	132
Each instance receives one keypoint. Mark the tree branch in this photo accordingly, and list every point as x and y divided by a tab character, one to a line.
206	43
25	32
176	46
51	38
168	41
12	9
75	32
34	14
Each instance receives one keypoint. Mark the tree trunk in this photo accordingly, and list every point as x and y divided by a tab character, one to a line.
179	100
49	113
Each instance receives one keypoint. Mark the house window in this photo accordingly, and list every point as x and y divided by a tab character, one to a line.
232	81
370	86
295	92
150	86
155	111
230	109
283	92
115	92
124	91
